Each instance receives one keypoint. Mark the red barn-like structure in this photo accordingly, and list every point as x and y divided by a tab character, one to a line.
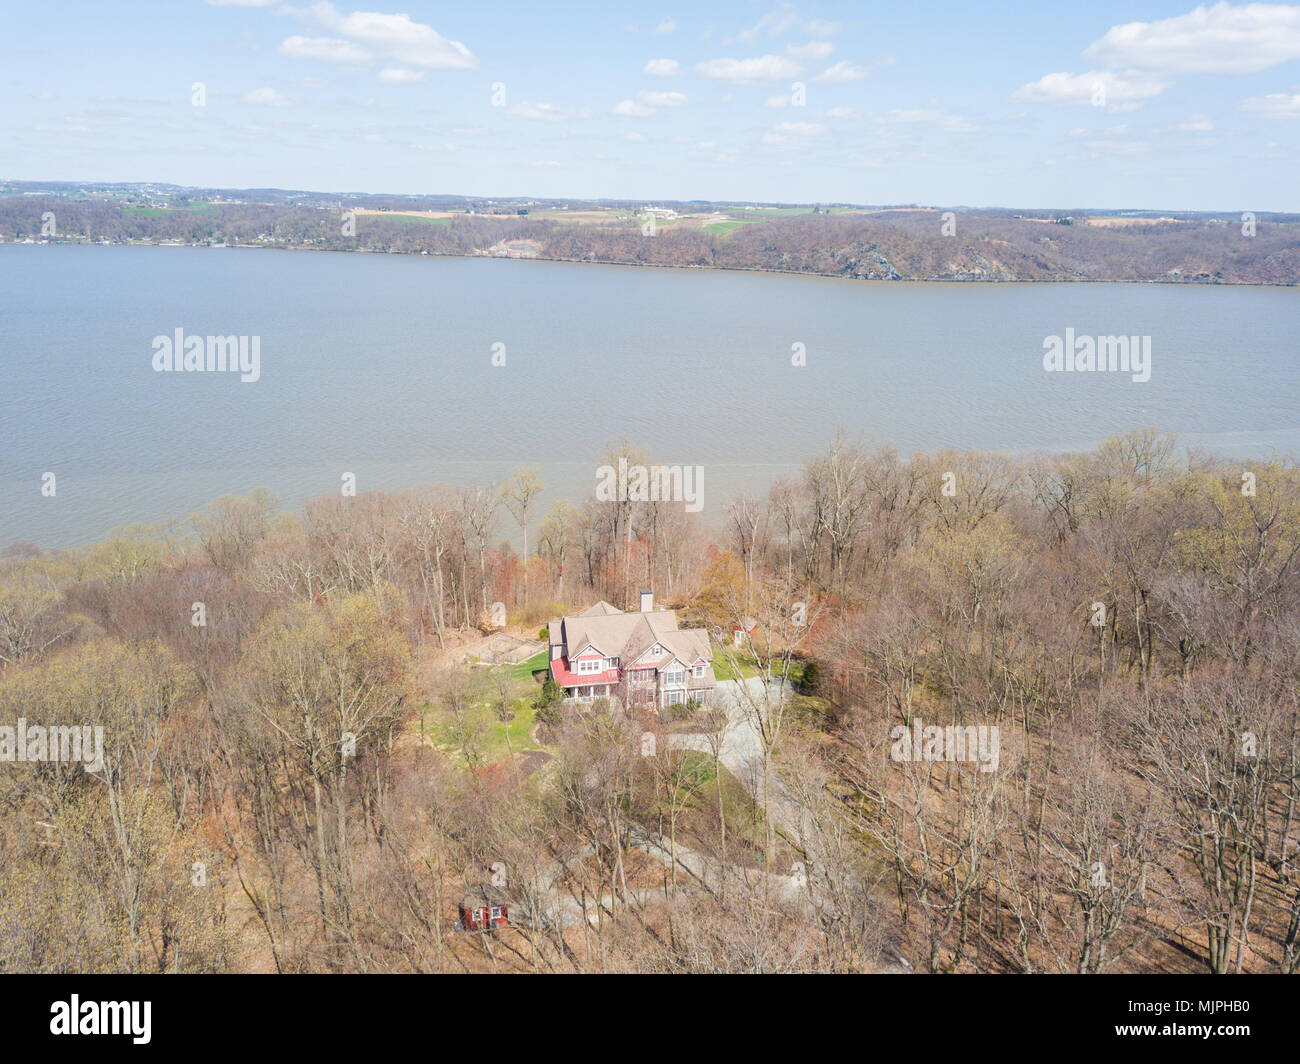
485	911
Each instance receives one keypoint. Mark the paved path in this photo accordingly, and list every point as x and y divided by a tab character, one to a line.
695	873
742	747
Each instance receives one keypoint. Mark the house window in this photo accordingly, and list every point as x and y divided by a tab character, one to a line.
589	666
674	677
496	912
674	698
699	671
611	663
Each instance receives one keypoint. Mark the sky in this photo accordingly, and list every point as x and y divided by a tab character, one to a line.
1152	105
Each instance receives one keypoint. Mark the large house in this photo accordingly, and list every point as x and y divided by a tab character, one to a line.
640	658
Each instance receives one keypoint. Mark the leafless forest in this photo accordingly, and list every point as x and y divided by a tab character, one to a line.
985	245
312	779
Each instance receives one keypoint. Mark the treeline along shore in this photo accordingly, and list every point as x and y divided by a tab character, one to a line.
887	244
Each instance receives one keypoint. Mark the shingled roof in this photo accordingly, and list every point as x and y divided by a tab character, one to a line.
627	635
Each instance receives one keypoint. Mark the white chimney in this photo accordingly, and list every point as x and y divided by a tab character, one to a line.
647	601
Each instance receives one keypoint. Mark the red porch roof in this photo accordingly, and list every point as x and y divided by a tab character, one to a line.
565	678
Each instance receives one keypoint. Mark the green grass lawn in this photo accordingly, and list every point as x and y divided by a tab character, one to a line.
726	228
189	208
779	212
696	786
722	669
525	669
408	218
487	736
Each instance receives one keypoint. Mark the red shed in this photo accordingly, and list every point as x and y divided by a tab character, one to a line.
485	910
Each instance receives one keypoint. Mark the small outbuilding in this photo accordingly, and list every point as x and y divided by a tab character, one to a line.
485	909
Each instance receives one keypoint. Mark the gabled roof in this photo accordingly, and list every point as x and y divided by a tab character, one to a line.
628	635
689	645
607	632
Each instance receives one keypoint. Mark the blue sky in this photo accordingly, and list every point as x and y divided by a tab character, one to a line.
1135	104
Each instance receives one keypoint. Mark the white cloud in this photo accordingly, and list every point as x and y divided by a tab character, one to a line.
773	24
663	68
666	26
401	76
762	68
635	138
777	101
241	3
1118	91
267	98
931	116
840	112
821	28
662	99
1274	105
330	49
783	20
537	112
792	134
404	42
841	72
1196	124
1216	40
632	109
811	50
410	43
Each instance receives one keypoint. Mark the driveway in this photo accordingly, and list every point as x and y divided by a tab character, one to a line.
745	702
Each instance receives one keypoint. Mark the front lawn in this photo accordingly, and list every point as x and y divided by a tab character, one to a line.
480	738
723	670
525	669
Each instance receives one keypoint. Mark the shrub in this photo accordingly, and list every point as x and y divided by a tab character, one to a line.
811	679
683	710
550	693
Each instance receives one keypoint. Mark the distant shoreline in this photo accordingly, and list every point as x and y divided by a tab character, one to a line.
712	268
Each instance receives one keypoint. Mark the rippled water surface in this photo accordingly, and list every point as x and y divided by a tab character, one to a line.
382	366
